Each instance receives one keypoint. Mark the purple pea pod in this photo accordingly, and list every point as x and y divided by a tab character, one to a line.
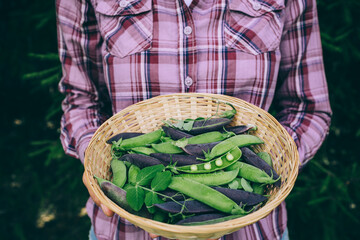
242	197
140	160
190	206
201	218
175	195
179	159
118	196
124	135
240	129
253	159
198	150
175	134
208	125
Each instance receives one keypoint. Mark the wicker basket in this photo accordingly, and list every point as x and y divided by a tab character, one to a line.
148	115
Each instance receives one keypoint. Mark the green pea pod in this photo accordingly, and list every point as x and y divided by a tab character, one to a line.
119	172
139	141
209	137
204	194
230	143
167	147
254	174
216	164
212	179
133	172
143	150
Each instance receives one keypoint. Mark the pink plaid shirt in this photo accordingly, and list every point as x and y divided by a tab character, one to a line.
117	52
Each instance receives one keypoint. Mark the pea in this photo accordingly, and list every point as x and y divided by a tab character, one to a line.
207	166
193	168
219	162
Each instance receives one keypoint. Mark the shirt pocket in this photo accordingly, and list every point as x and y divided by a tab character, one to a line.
125	25
254	26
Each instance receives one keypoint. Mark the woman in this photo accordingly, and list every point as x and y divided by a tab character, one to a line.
118	52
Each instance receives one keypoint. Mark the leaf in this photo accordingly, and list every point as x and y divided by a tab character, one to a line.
188	125
146	174
135	197
152	198
161	181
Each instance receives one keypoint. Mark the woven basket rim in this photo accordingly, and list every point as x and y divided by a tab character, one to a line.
160	227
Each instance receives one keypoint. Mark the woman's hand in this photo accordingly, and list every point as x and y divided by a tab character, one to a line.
106	210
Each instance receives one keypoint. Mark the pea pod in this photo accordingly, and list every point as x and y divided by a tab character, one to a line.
230	143
251	158
143	150
205	194
207	137
175	134
212	179
254	174
139	141
167	147
119	172
123	136
216	164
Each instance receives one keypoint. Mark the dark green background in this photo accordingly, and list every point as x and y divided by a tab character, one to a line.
41	189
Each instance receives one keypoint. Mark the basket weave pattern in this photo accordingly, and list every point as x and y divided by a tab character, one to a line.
149	115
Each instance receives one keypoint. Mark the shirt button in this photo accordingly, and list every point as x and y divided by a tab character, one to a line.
123	3
187	30
188	81
256	6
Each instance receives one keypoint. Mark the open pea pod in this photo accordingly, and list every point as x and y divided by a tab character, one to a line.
219	163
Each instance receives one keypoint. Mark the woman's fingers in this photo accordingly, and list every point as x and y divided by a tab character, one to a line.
105	209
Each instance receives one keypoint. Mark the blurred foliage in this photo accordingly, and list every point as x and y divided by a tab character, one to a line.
43	188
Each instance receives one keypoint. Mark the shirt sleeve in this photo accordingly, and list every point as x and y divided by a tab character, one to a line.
302	100
85	105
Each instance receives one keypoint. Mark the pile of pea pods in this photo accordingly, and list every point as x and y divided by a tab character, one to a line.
190	172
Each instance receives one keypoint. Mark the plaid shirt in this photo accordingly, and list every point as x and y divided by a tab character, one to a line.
117	52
